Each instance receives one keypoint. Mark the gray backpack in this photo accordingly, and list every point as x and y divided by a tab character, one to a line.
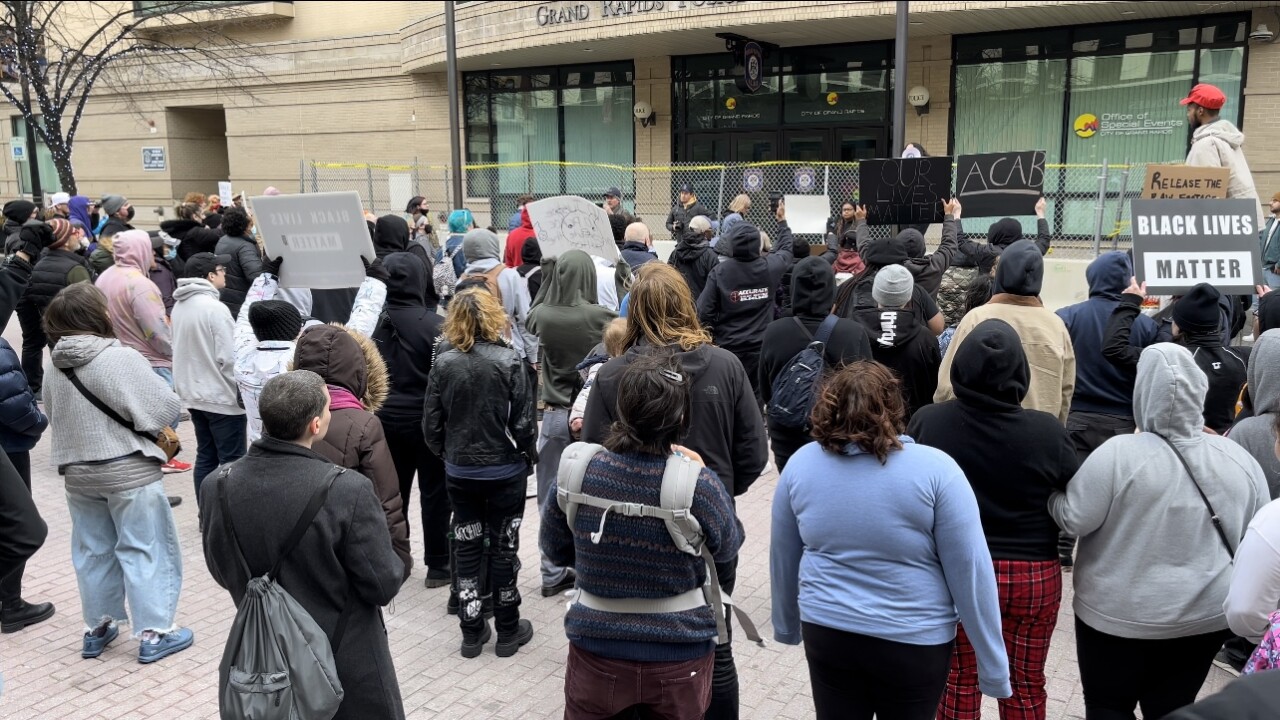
679	481
278	664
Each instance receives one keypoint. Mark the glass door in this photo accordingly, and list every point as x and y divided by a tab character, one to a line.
708	148
807	145
755	147
855	144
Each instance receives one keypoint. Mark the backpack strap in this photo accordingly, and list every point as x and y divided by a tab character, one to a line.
827	327
573	468
304	521
803	329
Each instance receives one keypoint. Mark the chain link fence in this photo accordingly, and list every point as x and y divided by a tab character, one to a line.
1088	208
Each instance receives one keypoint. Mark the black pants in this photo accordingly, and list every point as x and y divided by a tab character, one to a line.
220	439
1160	676
724	671
855	676
410	454
33	345
750	359
487	511
11	584
1088	431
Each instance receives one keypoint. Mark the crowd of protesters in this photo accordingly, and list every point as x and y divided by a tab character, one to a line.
947	448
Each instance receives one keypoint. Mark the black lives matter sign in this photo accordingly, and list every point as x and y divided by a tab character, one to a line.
1178	244
904	190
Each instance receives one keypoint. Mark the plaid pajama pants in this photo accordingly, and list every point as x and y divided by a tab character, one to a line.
1030	593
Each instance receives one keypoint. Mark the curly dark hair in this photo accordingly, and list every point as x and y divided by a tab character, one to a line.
653	406
978	292
235	222
860	404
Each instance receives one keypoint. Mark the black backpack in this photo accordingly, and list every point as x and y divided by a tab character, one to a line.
795	387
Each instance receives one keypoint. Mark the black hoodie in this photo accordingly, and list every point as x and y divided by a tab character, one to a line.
813	287
725	427
1001	235
738	301
904	344
531	269
391	235
694	258
855	293
1011	479
406	335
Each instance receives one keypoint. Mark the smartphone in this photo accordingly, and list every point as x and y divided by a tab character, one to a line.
774	199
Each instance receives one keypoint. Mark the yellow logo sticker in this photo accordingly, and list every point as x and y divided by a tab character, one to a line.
833	98
1086	125
731	103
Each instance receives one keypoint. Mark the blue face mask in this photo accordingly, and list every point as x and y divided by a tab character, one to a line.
171	253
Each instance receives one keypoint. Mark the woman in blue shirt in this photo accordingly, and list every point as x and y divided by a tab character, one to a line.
877	552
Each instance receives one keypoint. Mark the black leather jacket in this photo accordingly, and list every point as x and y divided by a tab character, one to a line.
479	407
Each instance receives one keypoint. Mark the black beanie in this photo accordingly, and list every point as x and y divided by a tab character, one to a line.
18	211
1198	311
275	320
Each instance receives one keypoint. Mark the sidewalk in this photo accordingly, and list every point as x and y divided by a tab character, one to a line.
46	678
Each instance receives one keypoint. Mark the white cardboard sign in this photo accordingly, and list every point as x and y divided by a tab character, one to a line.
224	192
321	237
807	214
570	222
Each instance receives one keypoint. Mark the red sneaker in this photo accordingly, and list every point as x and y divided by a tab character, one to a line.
175	466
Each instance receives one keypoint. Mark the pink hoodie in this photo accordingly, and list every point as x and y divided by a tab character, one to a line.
134	302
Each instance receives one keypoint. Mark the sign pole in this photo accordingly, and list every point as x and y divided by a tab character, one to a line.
900	81
455	145
1102	199
33	167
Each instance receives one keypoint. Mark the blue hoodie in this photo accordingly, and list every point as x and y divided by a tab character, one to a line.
1101	387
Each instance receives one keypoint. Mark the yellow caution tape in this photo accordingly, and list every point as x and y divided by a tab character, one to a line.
643	168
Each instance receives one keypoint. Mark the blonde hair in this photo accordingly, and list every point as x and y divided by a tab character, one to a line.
474	315
615	337
662	310
739	203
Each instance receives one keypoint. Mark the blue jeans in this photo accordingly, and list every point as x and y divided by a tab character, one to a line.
124	545
219	440
167	374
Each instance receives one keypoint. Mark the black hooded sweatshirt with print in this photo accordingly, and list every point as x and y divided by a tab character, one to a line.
904	344
738	301
1012	480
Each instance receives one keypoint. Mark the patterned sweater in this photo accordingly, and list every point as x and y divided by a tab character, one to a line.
636	558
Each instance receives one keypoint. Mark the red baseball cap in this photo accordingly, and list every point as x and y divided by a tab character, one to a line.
1206	96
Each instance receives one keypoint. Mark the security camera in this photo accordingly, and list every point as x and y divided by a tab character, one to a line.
1262	34
644	113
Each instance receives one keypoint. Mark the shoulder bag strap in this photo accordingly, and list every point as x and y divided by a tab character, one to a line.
304	521
103	407
827	327
803	328
1213	515
226	521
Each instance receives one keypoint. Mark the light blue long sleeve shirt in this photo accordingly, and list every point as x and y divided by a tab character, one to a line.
893	551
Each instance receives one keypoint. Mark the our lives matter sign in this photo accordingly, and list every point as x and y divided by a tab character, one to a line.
321	237
1178	244
904	190
999	184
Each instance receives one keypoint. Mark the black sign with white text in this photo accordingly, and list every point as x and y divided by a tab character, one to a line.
904	190
1000	184
1178	244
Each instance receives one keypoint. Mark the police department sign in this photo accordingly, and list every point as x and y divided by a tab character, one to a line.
1178	244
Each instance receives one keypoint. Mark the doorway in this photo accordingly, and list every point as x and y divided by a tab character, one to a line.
198	159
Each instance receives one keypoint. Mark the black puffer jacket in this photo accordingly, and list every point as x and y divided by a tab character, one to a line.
52	273
406	336
245	267
479	407
737	303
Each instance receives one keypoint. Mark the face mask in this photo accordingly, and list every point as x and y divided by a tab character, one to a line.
171	253
129	215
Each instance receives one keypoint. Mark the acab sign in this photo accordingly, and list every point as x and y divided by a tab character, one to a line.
582	12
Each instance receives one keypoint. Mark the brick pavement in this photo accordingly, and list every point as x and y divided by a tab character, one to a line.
46	678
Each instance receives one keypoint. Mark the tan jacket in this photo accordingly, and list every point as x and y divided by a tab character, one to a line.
1044	339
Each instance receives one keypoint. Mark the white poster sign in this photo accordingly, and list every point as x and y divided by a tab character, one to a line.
224	192
807	214
321	237
400	190
569	222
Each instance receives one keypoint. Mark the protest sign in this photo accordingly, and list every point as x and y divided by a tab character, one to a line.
224	191
569	222
904	190
321	237
1000	184
807	214
1178	244
1181	182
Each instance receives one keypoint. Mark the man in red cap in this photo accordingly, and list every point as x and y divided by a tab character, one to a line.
1217	142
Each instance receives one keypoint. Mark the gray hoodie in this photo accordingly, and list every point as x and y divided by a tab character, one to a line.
1221	144
1150	565
1254	434
123	380
483	252
204	349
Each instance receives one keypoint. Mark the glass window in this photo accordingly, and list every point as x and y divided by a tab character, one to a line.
736	109
1138	117
848	96
44	159
526	128
599	123
1225	67
1010	46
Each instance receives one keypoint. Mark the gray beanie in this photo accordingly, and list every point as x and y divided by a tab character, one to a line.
111	204
893	286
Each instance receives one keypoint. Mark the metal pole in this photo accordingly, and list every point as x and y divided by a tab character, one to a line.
451	67
1102	199
302	175
1124	190
315	179
372	208
900	81
720	201
33	166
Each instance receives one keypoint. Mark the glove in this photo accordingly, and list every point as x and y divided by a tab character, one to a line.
272	266
31	239
375	269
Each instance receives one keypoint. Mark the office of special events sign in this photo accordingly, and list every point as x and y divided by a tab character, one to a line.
1087	125
567	13
1178	244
